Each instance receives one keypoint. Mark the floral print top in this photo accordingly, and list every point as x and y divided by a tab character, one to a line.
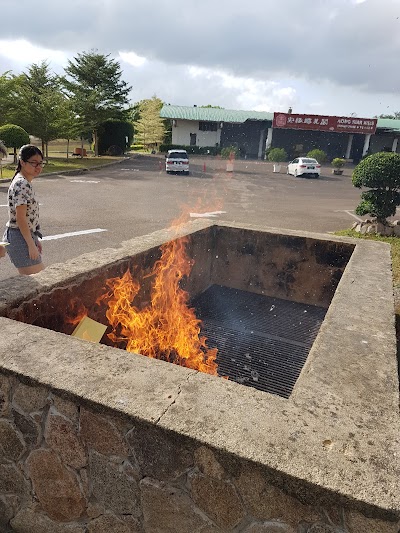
21	192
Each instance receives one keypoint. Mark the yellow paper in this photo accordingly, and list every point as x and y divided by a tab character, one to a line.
89	330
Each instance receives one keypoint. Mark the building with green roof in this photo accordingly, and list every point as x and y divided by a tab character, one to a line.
253	134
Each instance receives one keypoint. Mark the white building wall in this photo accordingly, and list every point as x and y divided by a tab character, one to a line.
183	128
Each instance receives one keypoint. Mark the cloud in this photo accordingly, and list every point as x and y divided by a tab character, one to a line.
260	55
132	58
248	93
22	53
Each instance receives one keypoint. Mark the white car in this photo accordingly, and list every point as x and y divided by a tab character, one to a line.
177	161
304	166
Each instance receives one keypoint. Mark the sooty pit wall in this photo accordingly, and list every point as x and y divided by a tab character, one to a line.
298	269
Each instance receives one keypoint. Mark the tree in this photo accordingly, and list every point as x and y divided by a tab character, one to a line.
150	128
97	93
14	136
8	86
39	102
395	115
68	125
212	106
381	174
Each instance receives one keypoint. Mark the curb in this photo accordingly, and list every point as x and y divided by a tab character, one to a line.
75	172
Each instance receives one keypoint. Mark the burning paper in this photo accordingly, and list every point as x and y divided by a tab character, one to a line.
89	330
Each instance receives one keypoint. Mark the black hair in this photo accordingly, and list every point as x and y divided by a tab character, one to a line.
25	152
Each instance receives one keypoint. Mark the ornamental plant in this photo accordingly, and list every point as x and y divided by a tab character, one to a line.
381	174
277	155
318	154
338	162
13	136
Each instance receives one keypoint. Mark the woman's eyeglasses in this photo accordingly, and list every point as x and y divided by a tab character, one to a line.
36	164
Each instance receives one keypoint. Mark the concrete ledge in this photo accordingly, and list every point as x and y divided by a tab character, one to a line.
336	438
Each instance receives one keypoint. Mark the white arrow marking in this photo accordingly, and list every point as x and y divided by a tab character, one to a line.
349	213
72	234
211	214
84	181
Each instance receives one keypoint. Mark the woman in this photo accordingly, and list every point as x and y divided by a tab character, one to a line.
23	228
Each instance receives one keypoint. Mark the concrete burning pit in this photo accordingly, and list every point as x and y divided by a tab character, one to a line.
297	316
261	302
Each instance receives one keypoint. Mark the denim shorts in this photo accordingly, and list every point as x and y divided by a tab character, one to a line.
17	250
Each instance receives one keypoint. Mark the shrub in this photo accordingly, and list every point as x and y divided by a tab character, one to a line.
113	133
114	150
228	150
277	155
381	174
318	154
14	137
338	162
204	150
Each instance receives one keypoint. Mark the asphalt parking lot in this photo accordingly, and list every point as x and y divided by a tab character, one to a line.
102	208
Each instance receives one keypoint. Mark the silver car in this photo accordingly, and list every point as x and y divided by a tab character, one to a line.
304	166
177	161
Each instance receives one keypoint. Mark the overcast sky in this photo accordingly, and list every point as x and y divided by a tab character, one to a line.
319	56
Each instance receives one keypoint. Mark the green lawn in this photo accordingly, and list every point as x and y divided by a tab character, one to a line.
61	164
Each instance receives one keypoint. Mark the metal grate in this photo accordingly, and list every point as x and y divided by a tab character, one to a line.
262	342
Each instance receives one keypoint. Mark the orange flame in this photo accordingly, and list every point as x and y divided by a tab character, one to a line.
76	312
167	328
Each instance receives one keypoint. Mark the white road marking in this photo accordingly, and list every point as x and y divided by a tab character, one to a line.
349	213
72	234
84	181
211	214
6	205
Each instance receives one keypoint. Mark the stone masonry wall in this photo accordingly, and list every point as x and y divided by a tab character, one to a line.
76	468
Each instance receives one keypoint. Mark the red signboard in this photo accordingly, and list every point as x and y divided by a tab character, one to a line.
325	123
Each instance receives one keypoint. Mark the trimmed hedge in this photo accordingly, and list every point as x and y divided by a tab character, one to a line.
113	133
228	150
203	150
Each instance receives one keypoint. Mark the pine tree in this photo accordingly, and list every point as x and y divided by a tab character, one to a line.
39	102
96	91
8	86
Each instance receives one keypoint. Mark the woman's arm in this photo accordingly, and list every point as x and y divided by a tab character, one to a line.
26	232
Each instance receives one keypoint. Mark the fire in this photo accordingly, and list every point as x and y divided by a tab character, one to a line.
167	328
76	312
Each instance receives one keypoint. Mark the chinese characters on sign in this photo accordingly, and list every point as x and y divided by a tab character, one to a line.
325	123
